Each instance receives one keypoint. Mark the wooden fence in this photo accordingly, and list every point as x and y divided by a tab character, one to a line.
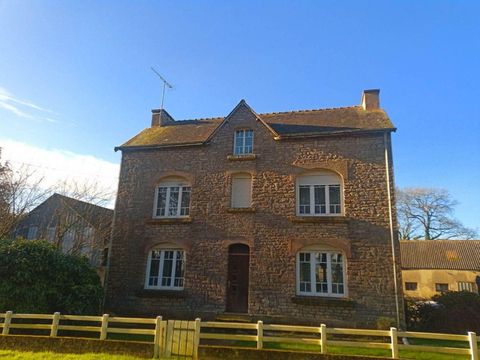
182	338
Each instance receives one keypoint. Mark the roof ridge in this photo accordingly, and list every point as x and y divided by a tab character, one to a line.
276	113
200	119
309	110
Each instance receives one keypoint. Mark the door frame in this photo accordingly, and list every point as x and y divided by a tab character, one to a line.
237	249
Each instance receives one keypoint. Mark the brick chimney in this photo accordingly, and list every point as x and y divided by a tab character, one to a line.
371	99
160	117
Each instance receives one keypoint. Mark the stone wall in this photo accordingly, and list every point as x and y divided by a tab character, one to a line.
272	229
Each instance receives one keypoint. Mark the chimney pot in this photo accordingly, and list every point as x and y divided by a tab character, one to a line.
371	99
160	117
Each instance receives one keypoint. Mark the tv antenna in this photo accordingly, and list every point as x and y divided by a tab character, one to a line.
165	84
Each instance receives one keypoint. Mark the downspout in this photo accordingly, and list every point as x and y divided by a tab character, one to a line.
392	234
109	253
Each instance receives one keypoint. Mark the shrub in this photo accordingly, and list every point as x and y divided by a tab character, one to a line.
38	278
451	312
385	323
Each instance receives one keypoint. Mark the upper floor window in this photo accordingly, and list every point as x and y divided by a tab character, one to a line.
165	269
241	191
172	199
319	193
243	142
321	273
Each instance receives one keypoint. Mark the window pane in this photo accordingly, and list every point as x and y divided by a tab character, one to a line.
179	269
161	201
239	136
154	268
304	199
248	142
305	275
173	201
337	273
334	194
167	268
321	273
185	209
320	203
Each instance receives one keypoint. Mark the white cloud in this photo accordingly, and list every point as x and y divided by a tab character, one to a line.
60	166
23	108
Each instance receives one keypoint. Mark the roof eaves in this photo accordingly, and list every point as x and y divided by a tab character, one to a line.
157	146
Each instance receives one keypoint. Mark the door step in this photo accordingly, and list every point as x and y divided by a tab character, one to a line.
236	317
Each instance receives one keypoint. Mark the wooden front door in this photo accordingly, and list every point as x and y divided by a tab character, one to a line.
237	280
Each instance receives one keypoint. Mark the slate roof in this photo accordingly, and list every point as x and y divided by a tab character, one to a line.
440	254
289	124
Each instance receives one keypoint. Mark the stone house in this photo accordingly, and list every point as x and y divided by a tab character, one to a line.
431	267
75	226
283	216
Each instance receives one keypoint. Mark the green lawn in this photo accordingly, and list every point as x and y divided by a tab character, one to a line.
343	350
20	355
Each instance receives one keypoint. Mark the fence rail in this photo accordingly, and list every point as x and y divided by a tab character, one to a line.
174	337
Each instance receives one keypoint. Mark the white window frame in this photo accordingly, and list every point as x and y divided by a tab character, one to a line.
323	178
329	292
243	146
160	270
170	184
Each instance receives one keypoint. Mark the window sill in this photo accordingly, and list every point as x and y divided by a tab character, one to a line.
323	300
169	221
241	210
160	293
245	157
319	219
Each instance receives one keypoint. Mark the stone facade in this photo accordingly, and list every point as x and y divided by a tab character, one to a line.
270	227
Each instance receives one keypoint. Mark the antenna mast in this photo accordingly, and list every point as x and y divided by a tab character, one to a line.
165	84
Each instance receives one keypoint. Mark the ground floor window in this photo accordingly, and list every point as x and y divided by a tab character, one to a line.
321	273
441	287
165	269
411	286
466	286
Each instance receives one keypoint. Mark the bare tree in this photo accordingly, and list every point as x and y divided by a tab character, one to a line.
428	214
20	191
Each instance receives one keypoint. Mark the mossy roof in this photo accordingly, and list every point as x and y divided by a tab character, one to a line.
285	124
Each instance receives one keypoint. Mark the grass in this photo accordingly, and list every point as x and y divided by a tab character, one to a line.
344	350
21	355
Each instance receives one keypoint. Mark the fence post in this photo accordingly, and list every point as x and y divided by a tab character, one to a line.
6	323
103	331
394	342
55	322
196	338
158	335
259	335
323	338
472	338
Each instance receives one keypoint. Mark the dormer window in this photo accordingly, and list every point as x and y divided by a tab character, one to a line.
243	142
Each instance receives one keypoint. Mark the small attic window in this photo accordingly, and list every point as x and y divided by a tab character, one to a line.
243	142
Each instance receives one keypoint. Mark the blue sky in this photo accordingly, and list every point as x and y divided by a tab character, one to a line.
82	71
